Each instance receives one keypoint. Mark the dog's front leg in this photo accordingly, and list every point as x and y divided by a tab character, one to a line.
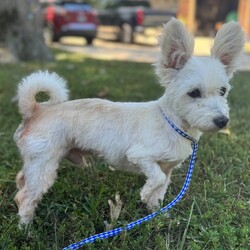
156	184
158	195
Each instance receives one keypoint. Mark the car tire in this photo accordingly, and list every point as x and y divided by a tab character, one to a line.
89	40
127	35
55	38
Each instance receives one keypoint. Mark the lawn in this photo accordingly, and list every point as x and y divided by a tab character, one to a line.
215	213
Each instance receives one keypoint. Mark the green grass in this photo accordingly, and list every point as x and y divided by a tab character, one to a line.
215	213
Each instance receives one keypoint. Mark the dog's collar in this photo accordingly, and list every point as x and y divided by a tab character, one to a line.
179	131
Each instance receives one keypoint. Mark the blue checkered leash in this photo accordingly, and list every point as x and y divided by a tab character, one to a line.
133	224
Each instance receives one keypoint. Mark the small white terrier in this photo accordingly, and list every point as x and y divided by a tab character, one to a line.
130	136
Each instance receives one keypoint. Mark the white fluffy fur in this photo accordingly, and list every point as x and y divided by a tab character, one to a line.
37	82
224	47
130	136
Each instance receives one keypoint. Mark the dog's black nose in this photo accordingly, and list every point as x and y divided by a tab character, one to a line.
221	121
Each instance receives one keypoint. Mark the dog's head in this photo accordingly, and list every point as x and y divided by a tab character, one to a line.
197	87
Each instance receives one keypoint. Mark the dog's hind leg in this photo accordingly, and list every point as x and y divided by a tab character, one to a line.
20	181
37	177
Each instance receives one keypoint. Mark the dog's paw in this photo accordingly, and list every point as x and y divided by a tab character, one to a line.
145	195
154	203
151	199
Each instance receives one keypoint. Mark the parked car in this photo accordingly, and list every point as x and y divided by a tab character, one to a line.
65	18
122	19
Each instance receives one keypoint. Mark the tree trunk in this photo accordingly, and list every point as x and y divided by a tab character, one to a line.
22	29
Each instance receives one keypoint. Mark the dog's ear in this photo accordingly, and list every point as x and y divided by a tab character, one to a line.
228	46
177	47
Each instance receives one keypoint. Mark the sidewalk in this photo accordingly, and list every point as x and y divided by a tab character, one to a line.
107	50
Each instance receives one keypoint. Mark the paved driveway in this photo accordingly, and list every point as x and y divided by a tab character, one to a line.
110	50
144	51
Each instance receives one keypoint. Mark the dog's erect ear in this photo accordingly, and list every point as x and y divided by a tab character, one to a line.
177	47
228	46
176	44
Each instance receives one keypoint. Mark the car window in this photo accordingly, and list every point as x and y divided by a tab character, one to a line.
76	7
113	4
130	3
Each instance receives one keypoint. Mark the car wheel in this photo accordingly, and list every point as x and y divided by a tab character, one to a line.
55	38
127	35
89	40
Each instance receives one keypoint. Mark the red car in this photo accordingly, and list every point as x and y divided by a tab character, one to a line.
65	18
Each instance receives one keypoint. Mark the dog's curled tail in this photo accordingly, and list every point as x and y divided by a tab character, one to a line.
41	81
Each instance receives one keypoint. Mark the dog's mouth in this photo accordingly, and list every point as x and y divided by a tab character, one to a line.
210	130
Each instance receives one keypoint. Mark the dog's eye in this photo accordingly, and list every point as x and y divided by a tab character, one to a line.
223	91
195	93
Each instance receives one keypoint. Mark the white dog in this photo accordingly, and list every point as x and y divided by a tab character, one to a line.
130	136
